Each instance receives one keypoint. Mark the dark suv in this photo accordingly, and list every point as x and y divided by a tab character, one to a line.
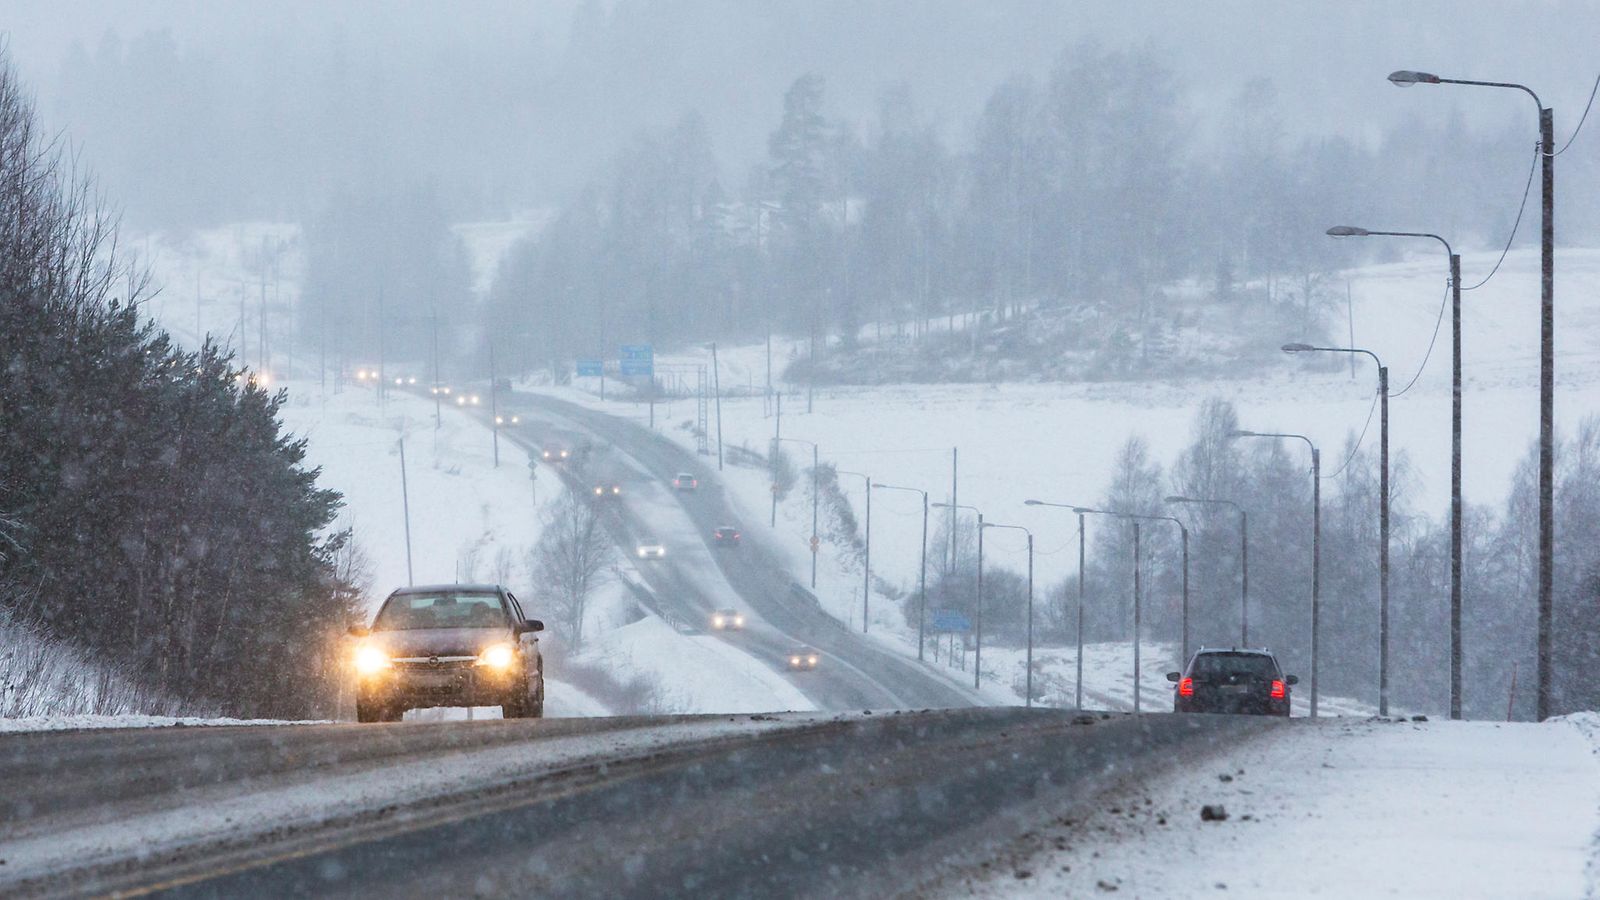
1232	681
449	645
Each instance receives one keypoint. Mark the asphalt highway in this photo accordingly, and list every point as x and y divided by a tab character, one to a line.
856	673
713	806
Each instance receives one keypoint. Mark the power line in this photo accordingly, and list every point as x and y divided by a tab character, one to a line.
1582	119
1362	437
1431	341
1514	225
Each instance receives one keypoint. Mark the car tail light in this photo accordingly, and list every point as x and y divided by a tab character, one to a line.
1278	691
1186	687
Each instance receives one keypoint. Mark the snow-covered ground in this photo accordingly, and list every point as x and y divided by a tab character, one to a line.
1342	809
1057	441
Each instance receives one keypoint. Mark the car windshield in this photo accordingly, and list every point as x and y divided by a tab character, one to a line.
445	609
1222	666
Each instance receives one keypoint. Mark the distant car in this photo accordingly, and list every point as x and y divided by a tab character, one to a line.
727	620
651	550
1232	681
683	481
726	537
449	645
607	490
555	454
803	659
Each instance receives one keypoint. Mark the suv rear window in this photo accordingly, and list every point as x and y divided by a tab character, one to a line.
1221	666
445	609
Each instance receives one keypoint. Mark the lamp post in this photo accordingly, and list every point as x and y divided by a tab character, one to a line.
1455	446
866	567
1078	684
922	590
1137	606
1383	511
977	652
1244	560
1316	546
1028	663
1547	378
814	539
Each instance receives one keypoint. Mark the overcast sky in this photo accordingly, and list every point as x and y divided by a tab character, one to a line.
448	68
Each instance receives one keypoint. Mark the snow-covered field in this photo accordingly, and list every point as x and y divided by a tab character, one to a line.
1349	809
1057	441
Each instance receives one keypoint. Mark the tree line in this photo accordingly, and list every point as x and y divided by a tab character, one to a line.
1084	200
154	513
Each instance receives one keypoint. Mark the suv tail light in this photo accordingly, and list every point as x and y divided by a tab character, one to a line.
1186	687
1278	691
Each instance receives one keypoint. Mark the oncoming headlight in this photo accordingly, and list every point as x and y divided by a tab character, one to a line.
370	659
794	660
811	661
716	622
498	656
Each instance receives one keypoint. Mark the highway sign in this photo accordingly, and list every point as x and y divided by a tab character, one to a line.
638	359
950	620
589	367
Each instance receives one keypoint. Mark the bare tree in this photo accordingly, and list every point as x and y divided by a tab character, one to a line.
570	561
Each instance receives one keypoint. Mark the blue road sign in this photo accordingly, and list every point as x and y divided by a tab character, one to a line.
950	620
637	359
590	367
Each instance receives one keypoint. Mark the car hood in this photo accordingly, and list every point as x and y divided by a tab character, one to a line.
441	641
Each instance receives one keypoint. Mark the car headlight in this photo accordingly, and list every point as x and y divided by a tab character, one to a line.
812	661
716	622
794	660
738	621
370	659
497	656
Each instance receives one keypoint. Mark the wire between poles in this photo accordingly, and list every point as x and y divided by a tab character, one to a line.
1445	301
1514	225
1362	437
1581	119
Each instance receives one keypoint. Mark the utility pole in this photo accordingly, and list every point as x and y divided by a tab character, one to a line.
1383	540
405	505
955	458
777	437
977	655
716	383
1455	497
494	407
1078	684
1547	426
438	404
1136	616
1316	569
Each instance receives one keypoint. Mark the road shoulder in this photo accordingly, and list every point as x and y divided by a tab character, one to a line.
1352	807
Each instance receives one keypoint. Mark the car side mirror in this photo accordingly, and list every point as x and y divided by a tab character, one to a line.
1291	679
359	631
532	625
1174	676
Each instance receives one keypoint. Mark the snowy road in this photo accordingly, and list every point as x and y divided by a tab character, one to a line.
852	805
856	674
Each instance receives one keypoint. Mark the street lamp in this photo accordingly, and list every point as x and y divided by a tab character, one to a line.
1455	444
1028	700
866	568
1137	607
922	590
1383	511
1244	560
1316	545
1078	684
814	540
977	653
1547	390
